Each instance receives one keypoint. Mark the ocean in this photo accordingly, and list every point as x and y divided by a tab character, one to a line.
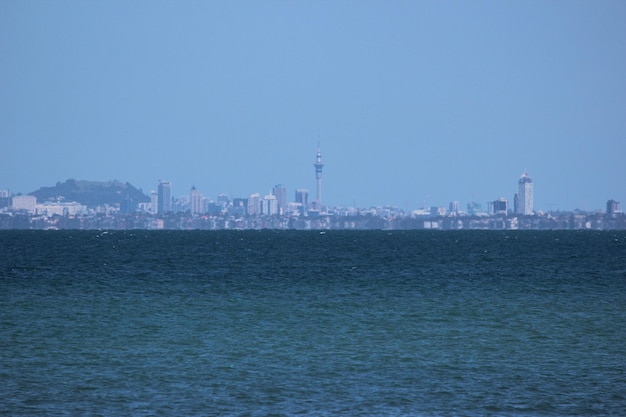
312	323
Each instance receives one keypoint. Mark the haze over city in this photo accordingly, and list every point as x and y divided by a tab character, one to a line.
414	104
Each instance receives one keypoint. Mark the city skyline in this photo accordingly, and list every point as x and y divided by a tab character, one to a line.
415	103
25	212
163	198
523	200
161	210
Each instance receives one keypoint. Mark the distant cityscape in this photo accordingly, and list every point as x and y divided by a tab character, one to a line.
117	206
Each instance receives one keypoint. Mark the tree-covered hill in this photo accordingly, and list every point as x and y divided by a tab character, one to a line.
92	193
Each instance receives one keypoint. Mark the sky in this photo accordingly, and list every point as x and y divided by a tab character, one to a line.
413	103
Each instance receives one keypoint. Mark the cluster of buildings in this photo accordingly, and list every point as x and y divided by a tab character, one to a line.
28	204
273	204
274	211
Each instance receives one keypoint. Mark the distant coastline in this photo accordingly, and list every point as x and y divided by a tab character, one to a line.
369	220
114	205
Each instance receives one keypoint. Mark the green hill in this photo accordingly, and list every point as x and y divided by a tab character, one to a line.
92	193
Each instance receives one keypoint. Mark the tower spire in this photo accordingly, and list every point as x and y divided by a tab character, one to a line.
318	176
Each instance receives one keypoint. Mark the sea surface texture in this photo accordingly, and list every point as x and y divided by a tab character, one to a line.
295	323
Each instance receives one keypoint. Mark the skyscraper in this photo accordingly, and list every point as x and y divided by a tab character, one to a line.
269	205
499	206
318	176
154	202
525	195
280	191
239	207
612	207
254	204
302	197
165	197
195	201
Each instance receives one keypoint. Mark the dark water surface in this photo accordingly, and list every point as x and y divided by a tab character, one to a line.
260	323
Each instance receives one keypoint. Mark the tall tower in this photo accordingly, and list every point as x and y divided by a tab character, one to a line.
525	195
318	176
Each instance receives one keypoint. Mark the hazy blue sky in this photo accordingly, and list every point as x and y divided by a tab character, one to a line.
414	102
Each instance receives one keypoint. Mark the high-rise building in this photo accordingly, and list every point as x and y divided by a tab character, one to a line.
302	197
214	207
612	207
499	206
254	204
318	177
524	198
239	207
164	197
154	202
270	205
280	191
195	201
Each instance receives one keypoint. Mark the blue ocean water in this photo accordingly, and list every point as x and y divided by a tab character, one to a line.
294	323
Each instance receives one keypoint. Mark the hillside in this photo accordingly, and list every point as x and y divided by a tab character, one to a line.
92	193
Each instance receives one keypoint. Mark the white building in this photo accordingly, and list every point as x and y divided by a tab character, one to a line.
525	195
196	201
24	202
154	202
144	208
294	209
60	208
254	204
270	205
